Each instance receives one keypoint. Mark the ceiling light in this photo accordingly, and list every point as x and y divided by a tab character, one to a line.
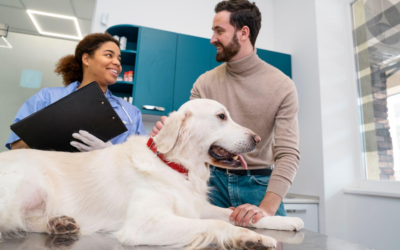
5	40
4	29
31	12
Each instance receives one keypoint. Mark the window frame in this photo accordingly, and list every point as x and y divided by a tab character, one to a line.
361	185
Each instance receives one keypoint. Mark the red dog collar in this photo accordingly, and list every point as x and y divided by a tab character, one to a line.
179	168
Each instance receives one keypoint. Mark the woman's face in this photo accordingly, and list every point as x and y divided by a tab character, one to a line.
105	65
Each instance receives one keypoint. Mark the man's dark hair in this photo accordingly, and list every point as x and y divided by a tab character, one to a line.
243	13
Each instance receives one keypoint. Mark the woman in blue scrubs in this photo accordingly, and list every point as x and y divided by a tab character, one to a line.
97	58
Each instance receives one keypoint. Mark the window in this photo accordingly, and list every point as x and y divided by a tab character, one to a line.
376	29
394	124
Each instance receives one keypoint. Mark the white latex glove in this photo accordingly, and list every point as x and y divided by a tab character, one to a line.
91	141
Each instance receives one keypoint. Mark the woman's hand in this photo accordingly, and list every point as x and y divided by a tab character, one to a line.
18	145
91	141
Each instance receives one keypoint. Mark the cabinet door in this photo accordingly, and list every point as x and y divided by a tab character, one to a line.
281	61
155	71
192	60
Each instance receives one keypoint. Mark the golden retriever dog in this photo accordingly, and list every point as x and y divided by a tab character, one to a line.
129	191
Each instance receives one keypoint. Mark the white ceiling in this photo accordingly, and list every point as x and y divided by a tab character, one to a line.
13	13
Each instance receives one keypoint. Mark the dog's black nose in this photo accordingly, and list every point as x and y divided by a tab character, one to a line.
256	138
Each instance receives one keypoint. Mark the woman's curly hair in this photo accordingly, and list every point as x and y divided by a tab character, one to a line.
70	66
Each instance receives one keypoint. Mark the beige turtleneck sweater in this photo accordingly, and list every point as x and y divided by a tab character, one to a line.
260	97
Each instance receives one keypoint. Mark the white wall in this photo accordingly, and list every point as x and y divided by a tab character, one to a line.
318	36
295	33
28	52
370	221
340	118
180	16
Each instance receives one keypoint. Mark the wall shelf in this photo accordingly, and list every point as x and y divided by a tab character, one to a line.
124	82
129	58
131	32
121	90
128	51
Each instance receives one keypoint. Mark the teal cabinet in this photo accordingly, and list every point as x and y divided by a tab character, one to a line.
191	62
155	72
129	57
281	61
166	65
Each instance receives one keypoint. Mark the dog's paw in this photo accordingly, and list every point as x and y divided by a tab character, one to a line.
280	223
292	223
61	242
252	240
63	225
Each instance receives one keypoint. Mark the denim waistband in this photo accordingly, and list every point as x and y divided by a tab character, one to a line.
262	171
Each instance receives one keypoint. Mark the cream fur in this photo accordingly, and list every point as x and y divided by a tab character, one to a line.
128	191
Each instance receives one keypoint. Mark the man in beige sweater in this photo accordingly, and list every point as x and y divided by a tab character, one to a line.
260	97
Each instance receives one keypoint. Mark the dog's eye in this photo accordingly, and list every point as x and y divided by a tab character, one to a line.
222	116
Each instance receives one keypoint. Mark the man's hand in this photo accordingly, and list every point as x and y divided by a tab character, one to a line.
91	141
159	126
244	213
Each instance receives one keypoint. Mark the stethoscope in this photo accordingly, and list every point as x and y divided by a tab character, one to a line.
118	101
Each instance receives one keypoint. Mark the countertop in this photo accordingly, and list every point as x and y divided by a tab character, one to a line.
302	240
300	199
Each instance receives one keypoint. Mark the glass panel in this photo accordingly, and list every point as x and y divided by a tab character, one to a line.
26	68
394	123
28	58
376	29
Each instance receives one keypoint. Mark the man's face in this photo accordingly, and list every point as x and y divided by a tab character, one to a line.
224	38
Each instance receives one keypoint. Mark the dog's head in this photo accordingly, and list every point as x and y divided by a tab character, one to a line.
202	131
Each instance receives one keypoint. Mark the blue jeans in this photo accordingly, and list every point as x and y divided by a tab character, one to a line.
228	190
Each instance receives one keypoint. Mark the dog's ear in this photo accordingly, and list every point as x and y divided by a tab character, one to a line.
168	135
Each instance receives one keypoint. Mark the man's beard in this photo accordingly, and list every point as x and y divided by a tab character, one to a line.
229	51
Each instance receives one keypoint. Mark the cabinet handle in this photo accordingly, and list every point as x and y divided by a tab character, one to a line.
149	107
296	211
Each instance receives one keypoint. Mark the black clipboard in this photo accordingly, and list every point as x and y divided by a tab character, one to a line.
51	128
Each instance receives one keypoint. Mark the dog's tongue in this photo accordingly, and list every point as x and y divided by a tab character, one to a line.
242	161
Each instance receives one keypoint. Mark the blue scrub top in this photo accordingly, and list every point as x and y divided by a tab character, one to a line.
47	96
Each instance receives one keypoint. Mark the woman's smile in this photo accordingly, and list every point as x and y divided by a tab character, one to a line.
113	72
